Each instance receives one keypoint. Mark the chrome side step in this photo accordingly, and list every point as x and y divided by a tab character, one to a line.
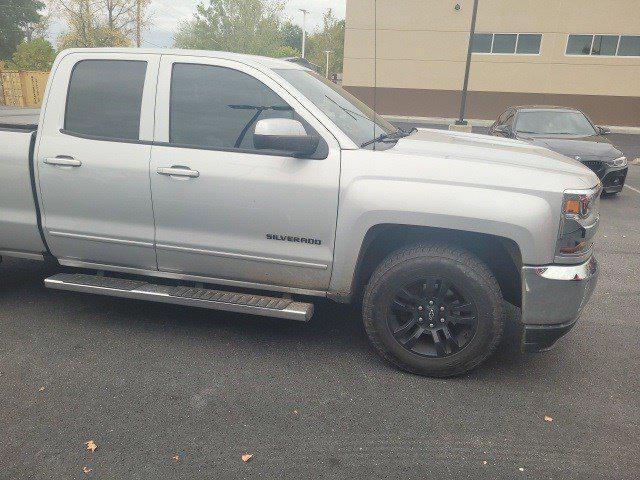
182	295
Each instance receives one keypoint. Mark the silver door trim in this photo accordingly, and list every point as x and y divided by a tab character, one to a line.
92	238
240	256
68	262
25	255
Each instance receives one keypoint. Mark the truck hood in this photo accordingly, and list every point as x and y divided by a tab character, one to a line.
491	151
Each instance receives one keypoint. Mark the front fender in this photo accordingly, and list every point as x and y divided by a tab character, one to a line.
523	217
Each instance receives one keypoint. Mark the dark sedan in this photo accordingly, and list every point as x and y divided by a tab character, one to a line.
568	132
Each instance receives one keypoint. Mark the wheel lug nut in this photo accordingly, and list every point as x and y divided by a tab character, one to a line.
431	302
431	325
442	320
420	308
420	319
442	309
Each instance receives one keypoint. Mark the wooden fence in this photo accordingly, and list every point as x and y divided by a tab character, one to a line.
22	89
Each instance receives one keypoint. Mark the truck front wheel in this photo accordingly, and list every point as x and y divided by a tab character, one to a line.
434	310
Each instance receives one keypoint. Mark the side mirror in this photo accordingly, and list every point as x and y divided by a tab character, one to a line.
603	130
503	130
284	135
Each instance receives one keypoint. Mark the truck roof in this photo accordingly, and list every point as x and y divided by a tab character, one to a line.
253	60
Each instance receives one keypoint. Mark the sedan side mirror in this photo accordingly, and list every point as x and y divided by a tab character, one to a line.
503	130
285	135
604	130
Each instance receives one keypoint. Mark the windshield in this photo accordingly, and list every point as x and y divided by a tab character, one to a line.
548	122
353	117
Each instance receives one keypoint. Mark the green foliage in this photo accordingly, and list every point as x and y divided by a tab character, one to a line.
240	26
36	54
257	27
329	37
15	18
100	36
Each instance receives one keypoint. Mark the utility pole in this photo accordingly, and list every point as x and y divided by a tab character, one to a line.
465	86
138	38
304	32
328	52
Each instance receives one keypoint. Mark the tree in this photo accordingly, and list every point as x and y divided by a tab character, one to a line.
36	54
100	23
329	37
240	26
15	17
291	35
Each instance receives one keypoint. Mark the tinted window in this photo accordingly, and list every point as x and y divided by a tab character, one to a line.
629	46
104	98
529	43
579	44
482	42
550	122
604	45
218	107
504	43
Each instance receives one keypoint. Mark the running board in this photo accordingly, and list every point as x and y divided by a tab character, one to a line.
182	295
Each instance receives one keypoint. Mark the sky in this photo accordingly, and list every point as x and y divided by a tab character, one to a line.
168	13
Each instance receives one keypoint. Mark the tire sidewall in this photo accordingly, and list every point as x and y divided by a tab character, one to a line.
466	279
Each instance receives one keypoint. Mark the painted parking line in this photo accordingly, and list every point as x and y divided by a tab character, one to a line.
634	189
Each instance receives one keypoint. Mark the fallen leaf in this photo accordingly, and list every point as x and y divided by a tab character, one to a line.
91	445
295	412
246	457
521	469
484	462
41	389
176	457
547	418
86	469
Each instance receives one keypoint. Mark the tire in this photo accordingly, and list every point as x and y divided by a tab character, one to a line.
472	310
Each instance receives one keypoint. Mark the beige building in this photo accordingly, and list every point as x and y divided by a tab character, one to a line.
408	56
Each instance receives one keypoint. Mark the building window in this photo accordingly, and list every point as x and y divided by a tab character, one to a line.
507	43
604	45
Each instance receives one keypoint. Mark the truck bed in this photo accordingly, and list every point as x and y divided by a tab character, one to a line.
20	233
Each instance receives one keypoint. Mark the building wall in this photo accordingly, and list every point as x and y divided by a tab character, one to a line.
414	51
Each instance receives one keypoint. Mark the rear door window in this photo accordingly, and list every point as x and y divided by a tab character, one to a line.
104	99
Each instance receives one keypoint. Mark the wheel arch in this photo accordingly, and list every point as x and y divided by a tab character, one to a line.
501	254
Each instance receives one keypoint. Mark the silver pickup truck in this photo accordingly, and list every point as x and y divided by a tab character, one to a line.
253	185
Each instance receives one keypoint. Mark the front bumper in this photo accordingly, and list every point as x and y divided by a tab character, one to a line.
553	298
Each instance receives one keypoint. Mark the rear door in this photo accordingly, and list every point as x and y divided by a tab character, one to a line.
93	160
240	215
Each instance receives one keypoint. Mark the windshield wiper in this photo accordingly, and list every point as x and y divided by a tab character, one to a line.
398	134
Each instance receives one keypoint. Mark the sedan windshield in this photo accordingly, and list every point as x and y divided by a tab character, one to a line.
353	117
550	122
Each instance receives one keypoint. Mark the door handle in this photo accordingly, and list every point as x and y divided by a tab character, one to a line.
178	171
63	161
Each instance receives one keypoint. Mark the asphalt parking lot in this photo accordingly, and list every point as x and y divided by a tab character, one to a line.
170	392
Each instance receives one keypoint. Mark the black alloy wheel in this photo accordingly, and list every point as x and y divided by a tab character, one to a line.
432	317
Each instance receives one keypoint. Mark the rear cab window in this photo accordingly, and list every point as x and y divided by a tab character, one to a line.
104	99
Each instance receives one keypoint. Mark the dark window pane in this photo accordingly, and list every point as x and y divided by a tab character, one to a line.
629	46
212	106
504	43
529	44
605	45
104	98
482	42
579	44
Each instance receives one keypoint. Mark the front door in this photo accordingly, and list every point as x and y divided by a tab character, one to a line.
224	209
93	161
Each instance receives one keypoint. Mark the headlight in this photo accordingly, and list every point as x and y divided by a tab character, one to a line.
578	222
620	162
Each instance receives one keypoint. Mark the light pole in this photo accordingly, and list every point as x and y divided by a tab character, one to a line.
328	52
465	86
304	32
